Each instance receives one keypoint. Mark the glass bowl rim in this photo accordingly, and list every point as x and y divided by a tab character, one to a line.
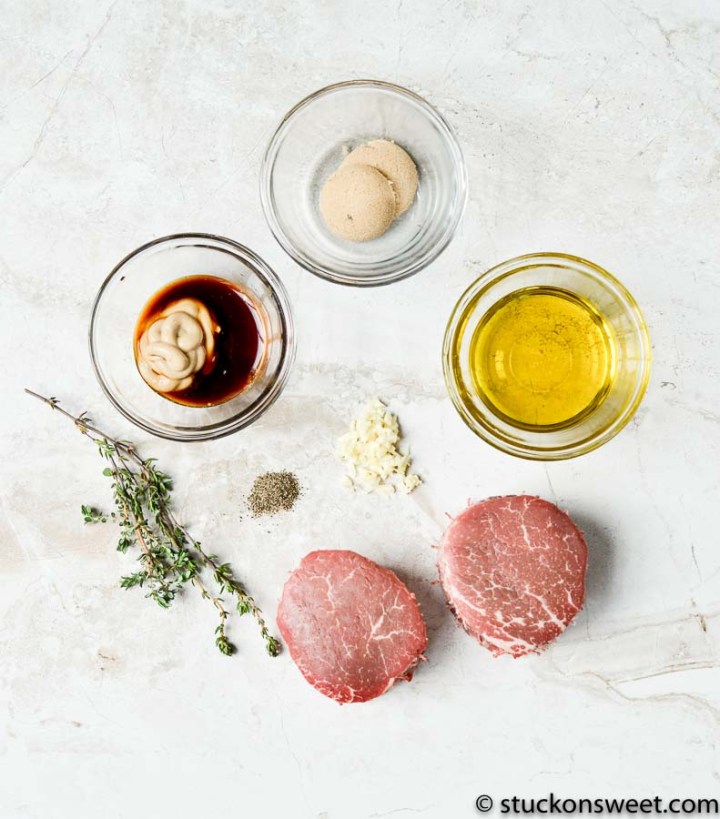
350	280
252	413
483	284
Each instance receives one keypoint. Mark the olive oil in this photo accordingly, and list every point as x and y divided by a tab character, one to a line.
542	357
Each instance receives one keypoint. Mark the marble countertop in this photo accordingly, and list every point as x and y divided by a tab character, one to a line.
590	128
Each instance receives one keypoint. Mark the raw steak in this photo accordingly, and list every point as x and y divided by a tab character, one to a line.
513	570
352	627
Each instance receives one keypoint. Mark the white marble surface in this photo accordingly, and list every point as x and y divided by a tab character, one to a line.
588	127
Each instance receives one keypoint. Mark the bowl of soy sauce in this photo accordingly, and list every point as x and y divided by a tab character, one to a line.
192	337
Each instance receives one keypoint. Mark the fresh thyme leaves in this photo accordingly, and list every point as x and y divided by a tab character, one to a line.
92	515
169	556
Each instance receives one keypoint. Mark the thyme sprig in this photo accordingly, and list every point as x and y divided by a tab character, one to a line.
170	557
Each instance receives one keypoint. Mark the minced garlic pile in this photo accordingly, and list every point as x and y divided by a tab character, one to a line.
370	449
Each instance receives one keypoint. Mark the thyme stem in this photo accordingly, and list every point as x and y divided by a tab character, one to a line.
170	556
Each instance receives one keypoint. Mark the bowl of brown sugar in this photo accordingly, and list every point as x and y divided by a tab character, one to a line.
363	183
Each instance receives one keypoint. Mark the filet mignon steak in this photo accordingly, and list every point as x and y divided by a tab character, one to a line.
513	570
352	627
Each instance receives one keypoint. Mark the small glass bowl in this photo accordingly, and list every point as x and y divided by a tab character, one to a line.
311	142
633	352
126	291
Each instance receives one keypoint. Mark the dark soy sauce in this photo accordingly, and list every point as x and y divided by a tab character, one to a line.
239	345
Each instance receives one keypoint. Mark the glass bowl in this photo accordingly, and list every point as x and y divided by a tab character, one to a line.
126	291
632	356
311	142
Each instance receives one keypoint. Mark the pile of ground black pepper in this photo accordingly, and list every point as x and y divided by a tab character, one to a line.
273	492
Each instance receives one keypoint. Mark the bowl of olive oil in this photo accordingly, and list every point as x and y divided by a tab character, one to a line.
546	356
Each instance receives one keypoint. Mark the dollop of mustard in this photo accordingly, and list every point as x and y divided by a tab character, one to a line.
176	346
